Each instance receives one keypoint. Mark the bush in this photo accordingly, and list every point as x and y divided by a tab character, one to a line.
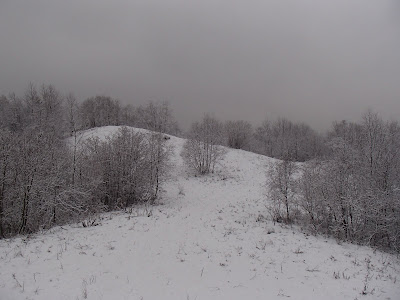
202	150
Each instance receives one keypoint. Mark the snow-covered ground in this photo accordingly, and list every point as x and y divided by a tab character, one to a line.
206	239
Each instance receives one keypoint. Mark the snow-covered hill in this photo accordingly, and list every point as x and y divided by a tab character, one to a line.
206	239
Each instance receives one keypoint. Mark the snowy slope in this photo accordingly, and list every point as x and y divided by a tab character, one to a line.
204	240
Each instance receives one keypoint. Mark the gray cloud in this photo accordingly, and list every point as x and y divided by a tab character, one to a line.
308	60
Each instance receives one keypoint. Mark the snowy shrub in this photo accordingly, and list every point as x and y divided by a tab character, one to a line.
202	150
131	166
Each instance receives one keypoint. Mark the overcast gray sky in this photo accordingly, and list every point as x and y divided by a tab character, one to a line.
308	60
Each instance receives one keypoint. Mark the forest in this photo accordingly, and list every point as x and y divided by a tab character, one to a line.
343	183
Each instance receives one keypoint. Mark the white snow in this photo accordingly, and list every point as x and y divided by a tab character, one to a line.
204	240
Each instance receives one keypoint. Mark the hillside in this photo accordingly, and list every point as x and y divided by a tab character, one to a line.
207	238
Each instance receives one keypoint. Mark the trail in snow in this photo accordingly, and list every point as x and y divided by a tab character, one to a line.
205	240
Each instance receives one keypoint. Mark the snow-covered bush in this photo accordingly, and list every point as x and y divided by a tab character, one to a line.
131	166
202	150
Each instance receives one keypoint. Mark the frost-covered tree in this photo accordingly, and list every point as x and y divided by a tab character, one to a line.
99	111
5	112
282	190
157	117
264	139
202	150
130	167
313	196
47	180
238	134
6	165
284	139
353	193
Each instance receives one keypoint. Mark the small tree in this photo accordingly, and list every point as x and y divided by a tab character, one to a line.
202	149
313	193
158	154
282	190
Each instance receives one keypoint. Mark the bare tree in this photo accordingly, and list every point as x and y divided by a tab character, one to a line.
100	111
264	139
157	117
284	139
129	116
313	196
282	185
130	165
5	112
6	148
202	149
238	134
